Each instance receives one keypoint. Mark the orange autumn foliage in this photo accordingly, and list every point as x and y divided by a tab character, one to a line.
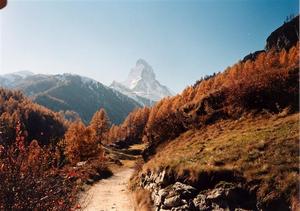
269	83
100	125
80	143
132	129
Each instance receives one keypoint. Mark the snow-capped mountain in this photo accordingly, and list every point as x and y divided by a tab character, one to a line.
71	93
128	92
9	80
142	83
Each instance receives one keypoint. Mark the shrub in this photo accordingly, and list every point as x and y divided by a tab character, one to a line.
29	179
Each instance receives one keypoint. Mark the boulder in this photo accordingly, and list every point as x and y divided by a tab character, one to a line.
162	193
201	203
173	201
186	191
156	200
189	206
225	196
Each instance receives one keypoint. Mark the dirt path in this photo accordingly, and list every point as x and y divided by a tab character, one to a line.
109	194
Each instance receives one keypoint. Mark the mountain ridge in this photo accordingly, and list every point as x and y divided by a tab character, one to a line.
71	92
284	37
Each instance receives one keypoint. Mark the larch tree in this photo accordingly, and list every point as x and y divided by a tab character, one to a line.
100	124
80	143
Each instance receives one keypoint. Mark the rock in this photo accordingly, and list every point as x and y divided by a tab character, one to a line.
188	206
201	203
217	207
158	196
186	191
225	196
174	201
181	208
215	198
162	193
183	197
143	180
285	36
161	178
157	200
150	186
252	56
216	194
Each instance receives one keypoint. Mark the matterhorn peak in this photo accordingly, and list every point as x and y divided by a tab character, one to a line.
142	82
142	62
141	71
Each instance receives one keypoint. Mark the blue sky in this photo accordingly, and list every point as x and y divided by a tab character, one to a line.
181	40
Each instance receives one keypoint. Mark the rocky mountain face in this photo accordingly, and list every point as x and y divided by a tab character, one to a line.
284	37
142	85
71	93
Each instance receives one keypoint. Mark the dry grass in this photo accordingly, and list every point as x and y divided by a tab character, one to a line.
142	201
263	150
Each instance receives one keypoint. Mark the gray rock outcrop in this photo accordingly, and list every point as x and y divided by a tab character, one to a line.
167	194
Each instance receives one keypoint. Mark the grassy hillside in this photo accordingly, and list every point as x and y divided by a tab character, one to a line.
262	150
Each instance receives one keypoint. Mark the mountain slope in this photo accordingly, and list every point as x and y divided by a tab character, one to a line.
75	93
40	124
126	91
285	36
142	84
10	80
257	156
230	141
